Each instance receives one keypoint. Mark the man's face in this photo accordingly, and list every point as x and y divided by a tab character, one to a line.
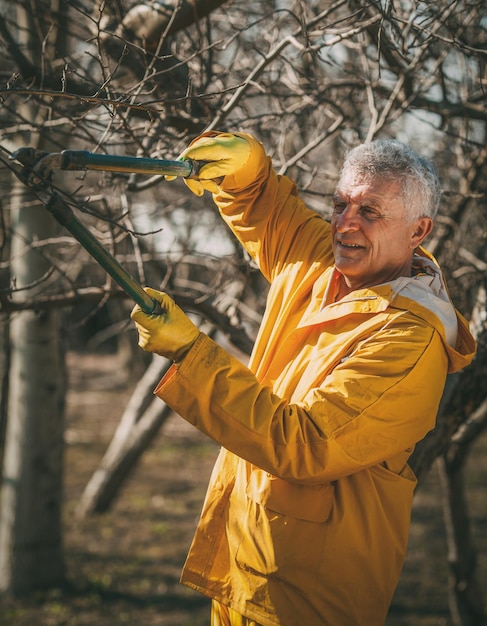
372	240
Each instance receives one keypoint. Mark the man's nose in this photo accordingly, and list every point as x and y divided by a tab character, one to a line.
347	220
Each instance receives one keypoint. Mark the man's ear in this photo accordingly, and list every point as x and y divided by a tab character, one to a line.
422	228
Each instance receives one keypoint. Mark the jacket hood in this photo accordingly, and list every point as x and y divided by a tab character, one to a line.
426	295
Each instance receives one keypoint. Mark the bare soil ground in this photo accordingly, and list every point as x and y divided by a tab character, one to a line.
123	566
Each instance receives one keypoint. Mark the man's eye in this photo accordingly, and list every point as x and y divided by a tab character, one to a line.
339	207
369	212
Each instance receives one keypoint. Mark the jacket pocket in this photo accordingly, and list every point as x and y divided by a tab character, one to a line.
283	531
311	503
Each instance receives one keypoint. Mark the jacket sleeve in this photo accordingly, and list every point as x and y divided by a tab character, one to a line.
266	215
377	403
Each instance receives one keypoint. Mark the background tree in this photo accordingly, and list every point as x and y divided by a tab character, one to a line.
30	519
309	79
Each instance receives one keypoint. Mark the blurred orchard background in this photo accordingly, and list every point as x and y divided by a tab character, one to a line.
101	484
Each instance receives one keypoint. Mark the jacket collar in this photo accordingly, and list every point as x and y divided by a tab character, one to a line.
424	295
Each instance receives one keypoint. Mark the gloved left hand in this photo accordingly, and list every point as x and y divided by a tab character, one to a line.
169	333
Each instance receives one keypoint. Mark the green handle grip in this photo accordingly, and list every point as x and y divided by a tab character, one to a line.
85	160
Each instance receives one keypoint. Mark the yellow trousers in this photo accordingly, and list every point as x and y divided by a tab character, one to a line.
223	616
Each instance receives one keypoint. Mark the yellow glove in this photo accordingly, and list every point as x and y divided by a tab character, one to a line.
169	333
226	154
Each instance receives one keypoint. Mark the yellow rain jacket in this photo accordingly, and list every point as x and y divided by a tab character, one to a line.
306	518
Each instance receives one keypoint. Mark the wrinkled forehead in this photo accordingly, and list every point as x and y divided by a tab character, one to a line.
379	192
353	180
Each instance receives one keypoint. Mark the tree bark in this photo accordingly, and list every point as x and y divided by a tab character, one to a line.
31	551
4	371
466	599
465	596
140	422
30	516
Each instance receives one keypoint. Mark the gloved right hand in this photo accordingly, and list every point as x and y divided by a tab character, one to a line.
225	153
169	332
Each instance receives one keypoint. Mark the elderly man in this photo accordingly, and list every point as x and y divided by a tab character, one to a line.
306	518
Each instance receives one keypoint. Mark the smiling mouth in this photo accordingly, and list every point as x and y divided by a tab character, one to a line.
350	246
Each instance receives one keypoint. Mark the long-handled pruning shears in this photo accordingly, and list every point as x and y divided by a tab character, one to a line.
41	163
39	166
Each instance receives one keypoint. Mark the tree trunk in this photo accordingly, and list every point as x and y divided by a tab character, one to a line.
466	600
31	554
30	517
4	370
140	422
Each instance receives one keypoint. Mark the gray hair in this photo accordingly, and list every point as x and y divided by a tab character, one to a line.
395	161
